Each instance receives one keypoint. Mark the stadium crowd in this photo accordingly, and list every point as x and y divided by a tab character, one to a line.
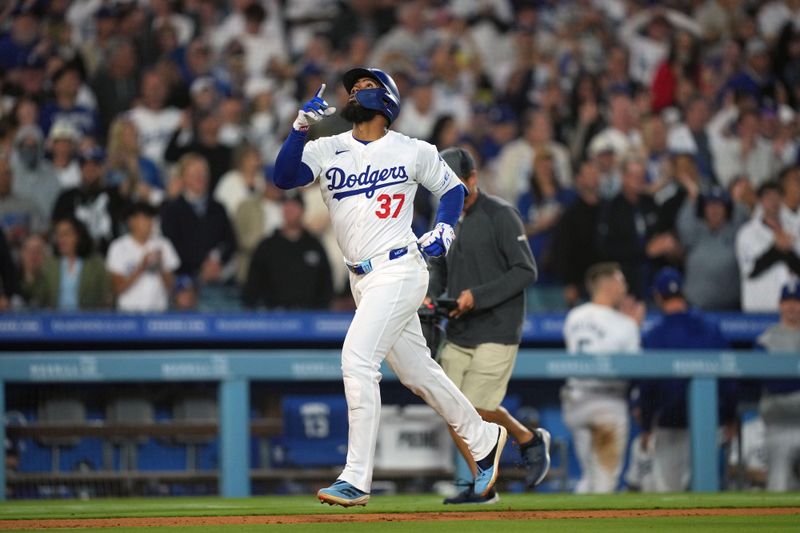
137	139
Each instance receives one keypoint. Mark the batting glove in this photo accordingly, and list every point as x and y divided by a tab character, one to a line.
313	111
437	242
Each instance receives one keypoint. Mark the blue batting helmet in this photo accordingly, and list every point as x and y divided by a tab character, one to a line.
385	100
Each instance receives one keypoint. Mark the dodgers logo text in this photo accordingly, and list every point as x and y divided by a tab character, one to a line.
366	182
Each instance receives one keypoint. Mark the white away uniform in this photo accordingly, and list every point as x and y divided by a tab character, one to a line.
369	190
596	410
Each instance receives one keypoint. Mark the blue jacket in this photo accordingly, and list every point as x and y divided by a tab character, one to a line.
663	402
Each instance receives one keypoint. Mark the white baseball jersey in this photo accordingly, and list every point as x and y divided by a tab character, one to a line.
598	329
590	406
369	188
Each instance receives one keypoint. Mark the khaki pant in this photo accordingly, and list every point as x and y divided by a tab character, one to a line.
482	373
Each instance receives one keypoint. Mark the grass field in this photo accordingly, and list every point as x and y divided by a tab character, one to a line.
393	509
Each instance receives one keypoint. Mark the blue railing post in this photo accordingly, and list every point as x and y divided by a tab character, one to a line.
703	424
234	401
3	440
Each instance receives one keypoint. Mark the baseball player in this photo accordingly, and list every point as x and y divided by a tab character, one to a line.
662	403
780	401
368	178
596	410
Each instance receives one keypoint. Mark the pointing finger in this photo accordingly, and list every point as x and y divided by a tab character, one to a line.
321	90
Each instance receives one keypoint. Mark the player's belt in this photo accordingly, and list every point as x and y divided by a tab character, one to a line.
365	267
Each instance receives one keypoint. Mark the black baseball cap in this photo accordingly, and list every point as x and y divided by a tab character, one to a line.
459	160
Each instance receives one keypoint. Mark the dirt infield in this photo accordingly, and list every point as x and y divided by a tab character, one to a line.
386	517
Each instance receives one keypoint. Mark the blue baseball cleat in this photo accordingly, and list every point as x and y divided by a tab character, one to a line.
468	496
488	467
342	493
537	457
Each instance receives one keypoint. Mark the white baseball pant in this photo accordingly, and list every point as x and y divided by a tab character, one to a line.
386	326
672	460
599	425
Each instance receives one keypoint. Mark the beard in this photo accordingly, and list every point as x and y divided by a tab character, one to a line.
356	113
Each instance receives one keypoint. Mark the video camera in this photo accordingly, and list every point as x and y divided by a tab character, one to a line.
439	308
431	316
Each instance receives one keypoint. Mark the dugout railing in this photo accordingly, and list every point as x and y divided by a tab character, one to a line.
233	371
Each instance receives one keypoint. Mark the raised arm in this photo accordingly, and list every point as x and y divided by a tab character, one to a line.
290	171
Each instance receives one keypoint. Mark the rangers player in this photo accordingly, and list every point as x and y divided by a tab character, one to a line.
595	410
368	178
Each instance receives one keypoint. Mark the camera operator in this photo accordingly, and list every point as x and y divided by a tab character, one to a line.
486	273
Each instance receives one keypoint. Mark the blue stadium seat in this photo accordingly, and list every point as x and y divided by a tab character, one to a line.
314	432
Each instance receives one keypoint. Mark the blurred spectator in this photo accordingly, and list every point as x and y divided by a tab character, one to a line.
201	137
95	49
515	162
267	117
681	67
115	83
602	155
232	130
755	80
407	44
136	176
19	217
629	230
197	62
34	177
622	132
662	403
743	151
205	96
445	132
154	122
65	106
655	153
786	60
63	144
789	182
768	252
360	20
164	12
133	25
419	112
541	208
197	225
234	24
257	217
290	269
142	264
32	254
244	181
585	121
99	206
232	70
260	47
707	225
491	131
691	136
780	401
22	38
9	286
574	245
650	48
779	127
75	279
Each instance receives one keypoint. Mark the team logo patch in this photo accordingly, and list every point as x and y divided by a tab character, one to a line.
366	182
